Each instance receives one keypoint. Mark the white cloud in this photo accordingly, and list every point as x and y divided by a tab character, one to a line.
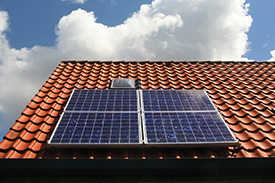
4	23
273	55
76	1
182	29
163	30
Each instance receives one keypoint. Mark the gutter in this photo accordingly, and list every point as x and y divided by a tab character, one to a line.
137	169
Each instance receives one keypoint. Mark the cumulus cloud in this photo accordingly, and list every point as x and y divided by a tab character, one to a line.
182	29
162	30
21	74
76	1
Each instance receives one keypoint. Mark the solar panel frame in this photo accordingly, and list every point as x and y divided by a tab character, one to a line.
194	133
99	143
189	144
105	145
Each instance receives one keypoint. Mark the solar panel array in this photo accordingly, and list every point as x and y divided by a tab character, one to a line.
152	117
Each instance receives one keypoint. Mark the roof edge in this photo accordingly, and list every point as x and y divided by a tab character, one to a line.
152	168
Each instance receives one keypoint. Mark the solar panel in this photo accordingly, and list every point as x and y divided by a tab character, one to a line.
186	127
99	117
176	100
97	128
152	117
103	100
183	117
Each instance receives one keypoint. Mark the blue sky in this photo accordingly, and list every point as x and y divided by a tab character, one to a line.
262	31
36	35
33	22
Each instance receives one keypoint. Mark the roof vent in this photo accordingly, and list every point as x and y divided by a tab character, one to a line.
123	84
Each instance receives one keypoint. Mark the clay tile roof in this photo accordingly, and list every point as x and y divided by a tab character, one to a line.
243	92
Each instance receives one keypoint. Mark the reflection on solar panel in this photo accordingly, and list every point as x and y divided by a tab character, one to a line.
176	100
152	117
97	128
186	127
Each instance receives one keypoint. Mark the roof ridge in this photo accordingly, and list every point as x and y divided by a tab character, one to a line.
153	61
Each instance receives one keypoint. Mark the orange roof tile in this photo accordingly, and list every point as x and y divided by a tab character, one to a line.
243	92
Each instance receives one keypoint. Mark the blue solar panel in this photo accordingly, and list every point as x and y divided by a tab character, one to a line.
97	128
186	127
103	100
132	117
176	100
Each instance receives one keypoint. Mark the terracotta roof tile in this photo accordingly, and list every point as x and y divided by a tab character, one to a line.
35	146
37	99
29	155
20	145
23	119
37	119
28	111
46	128
26	136
32	127
11	135
33	105
242	92
14	154
6	144
18	126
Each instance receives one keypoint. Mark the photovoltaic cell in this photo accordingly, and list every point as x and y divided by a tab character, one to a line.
103	100
186	127
97	128
176	100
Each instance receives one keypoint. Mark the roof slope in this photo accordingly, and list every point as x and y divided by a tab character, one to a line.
243	92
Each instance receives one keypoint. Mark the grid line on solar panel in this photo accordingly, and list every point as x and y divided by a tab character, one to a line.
97	128
103	100
176	100
186	127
